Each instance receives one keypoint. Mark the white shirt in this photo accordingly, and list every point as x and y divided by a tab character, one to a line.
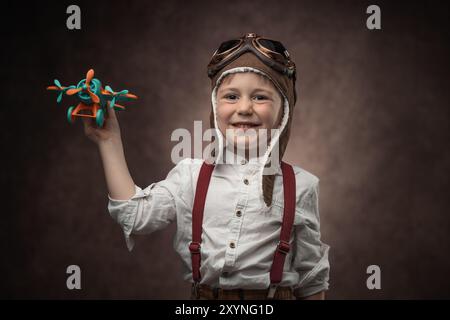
255	231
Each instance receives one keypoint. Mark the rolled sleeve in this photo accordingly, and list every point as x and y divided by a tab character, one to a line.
311	258
124	213
149	209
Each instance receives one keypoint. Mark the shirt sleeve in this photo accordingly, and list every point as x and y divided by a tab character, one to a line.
311	256
149	209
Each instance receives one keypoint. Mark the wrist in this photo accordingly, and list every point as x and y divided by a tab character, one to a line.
111	141
110	146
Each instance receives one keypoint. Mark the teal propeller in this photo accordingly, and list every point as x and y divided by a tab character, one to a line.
61	89
115	95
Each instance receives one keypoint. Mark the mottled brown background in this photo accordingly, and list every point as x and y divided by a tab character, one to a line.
372	122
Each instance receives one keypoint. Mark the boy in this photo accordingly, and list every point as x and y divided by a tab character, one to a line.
247	228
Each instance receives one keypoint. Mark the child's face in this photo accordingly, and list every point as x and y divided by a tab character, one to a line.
247	101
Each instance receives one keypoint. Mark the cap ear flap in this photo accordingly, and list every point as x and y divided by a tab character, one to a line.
268	184
211	118
295	94
211	124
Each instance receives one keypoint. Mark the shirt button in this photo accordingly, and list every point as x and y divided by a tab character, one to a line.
232	245
246	181
239	213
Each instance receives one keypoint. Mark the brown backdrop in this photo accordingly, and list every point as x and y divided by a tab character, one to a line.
371	121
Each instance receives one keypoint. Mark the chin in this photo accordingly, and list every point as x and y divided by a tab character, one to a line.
246	143
244	140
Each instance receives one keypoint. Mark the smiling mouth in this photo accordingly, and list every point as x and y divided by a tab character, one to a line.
244	125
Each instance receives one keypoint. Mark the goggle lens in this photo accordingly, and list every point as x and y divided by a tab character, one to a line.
227	45
274	46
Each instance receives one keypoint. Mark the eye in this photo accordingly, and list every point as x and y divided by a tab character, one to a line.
231	96
261	97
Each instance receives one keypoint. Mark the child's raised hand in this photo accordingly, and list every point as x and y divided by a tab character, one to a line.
109	132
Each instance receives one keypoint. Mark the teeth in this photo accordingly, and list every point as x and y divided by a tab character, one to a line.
244	126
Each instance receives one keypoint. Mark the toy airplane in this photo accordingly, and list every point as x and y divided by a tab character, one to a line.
93	98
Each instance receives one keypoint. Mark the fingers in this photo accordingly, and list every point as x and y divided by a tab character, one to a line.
87	122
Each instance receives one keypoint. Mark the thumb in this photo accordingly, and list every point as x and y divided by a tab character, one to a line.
112	113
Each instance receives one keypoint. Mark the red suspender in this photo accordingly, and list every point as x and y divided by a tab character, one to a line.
289	189
197	217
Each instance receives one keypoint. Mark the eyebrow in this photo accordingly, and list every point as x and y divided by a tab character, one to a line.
237	89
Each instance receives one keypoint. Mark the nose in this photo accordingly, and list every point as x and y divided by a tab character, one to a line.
245	106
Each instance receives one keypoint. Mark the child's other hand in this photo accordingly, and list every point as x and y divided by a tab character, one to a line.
109	132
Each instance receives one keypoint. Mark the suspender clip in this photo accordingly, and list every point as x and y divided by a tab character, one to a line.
194	247
195	290
272	289
283	247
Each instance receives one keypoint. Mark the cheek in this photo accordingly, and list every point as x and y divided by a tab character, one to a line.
269	116
224	113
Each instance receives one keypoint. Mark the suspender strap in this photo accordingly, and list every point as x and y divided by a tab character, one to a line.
289	188
197	218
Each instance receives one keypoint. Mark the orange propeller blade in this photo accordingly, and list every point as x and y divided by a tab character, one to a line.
89	76
119	106
93	96
53	88
132	96
73	91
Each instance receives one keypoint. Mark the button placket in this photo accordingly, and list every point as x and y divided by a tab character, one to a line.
236	226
